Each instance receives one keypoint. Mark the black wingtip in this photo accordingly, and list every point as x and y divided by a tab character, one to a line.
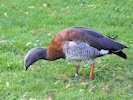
126	47
121	54
25	68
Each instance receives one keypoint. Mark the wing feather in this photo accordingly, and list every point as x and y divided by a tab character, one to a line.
98	40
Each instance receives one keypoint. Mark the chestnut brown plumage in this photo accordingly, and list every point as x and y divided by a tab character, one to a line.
76	43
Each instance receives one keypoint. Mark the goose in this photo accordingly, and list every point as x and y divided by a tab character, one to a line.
78	44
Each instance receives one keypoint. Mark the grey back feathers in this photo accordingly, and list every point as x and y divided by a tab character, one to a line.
81	51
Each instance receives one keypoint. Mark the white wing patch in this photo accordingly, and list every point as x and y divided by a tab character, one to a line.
104	52
72	44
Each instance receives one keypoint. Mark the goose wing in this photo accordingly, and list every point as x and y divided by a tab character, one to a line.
98	40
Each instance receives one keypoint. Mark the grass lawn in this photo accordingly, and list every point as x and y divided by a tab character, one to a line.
26	24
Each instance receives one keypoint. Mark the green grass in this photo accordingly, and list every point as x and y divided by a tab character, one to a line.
26	24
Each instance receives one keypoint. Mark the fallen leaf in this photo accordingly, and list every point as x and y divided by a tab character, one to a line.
81	90
92	6
67	7
56	82
50	96
34	68
31	7
7	84
84	84
81	79
105	1
65	76
15	74
32	98
3	41
21	53
26	13
106	88
81	4
49	85
67	85
119	78
49	34
38	30
28	43
54	13
5	14
92	88
25	94
46	5
15	7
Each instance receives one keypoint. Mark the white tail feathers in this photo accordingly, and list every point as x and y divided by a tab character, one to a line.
104	52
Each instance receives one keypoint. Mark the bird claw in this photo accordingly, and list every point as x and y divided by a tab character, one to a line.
76	75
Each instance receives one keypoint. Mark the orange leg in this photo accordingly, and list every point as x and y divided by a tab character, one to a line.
77	71
92	71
